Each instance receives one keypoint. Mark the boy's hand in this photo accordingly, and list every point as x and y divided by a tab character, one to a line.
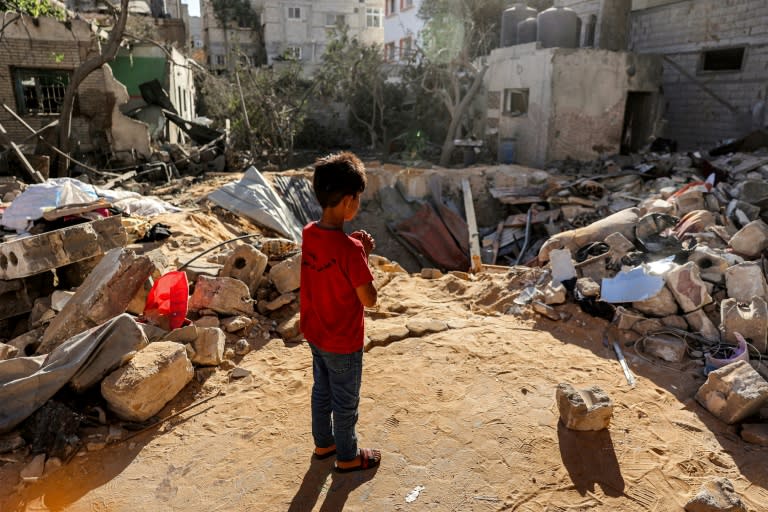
369	244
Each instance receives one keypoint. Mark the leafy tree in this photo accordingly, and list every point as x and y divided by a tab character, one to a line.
34	8
355	74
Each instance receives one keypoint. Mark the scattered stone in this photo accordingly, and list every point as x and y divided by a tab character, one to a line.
666	347
115	434
587	287
34	469
183	335
545	310
8	352
421	327
733	392
751	240
59	299
746	280
207	321
141	388
286	275
247	264
239	372
290	328
700	322
647	326
52	464
554	293
224	295
242	347
279	302
755	433
208	348
662	304
562	265
431	273
626	318
104	294
688	288
717	495
236	323
95	446
675	321
583	409
748	319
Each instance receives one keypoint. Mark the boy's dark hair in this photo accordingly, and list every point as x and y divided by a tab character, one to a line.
338	175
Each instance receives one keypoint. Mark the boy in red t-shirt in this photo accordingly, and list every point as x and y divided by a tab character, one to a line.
336	284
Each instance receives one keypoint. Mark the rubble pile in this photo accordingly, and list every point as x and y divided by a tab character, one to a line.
675	260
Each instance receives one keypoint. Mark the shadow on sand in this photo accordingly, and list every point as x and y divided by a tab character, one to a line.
337	489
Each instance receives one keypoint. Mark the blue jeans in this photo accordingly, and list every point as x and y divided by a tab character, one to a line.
336	393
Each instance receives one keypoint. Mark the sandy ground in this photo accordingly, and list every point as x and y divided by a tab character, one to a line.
466	415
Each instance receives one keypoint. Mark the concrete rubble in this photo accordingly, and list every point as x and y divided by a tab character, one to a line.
583	409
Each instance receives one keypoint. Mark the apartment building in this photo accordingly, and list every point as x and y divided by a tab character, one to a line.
401	28
288	30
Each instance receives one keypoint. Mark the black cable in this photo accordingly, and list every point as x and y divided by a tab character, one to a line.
217	246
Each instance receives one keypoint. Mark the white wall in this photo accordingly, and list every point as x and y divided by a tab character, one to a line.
403	22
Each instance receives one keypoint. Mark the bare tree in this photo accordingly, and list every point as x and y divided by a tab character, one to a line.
107	54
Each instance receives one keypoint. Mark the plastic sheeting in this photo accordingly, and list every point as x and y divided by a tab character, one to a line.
254	197
26	383
54	193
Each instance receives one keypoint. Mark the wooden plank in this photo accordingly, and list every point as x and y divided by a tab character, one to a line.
36	176
474	237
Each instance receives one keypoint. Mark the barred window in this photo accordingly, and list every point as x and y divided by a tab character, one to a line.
39	91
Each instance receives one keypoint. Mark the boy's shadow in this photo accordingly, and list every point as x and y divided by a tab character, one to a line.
337	491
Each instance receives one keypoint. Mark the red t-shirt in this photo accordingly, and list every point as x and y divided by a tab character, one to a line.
332	266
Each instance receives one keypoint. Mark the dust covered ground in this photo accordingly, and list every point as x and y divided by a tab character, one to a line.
466	415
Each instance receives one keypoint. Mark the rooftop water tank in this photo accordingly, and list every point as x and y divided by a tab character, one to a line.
509	20
559	27
526	31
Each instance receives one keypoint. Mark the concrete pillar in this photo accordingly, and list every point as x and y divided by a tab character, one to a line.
612	31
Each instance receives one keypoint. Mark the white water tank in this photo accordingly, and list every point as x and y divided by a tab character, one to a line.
559	27
509	20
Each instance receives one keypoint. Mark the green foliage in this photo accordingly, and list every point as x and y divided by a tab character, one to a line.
34	8
238	12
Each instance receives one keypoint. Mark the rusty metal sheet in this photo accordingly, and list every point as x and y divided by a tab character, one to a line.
427	233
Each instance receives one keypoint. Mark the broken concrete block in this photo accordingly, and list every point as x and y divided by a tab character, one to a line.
207	321
654	205
675	321
755	433
712	265
141	388
666	347
431	273
751	240
688	288
236	323
746	280
700	322
688	201
183	335
286	275
34	469
594	268
225	295
59	299
717	495
625	318
421	327
35	254
28	342
545	310
554	293
7	352
17	296
561	262
587	287
247	264
282	300
104	295
10	442
41	313
660	305
208	348
583	409
290	328
748	319
647	326
733	392
622	222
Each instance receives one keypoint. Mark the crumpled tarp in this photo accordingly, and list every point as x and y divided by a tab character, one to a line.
427	233
254	197
26	383
30	205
